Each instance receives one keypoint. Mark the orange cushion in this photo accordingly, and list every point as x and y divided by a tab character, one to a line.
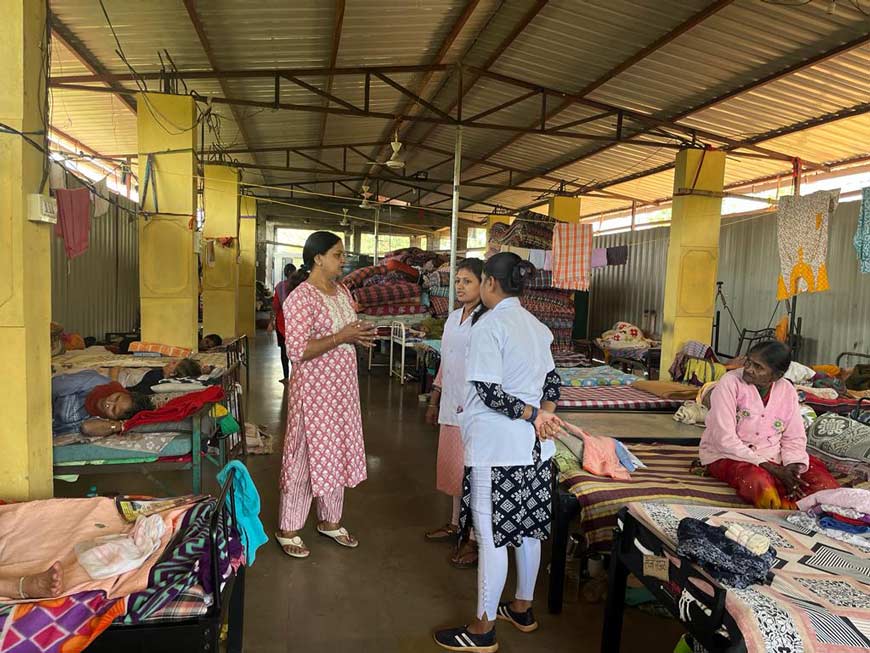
165	350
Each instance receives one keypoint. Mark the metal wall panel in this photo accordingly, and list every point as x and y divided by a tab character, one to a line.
833	321
624	292
98	291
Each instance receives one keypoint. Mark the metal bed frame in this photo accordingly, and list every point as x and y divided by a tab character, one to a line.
708	620
199	633
227	445
565	508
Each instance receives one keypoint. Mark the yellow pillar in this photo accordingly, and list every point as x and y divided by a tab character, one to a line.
565	209
220	277
25	263
247	268
168	277
693	252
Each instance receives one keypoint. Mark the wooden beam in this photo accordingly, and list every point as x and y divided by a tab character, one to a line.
423	82
247	73
190	5
505	43
640	55
745	88
338	21
87	58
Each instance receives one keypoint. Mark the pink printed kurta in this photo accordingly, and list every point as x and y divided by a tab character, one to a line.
323	405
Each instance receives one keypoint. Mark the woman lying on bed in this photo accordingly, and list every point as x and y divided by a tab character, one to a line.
755	439
48	584
76	399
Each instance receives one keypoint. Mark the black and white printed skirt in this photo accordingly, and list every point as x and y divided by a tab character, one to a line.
521	501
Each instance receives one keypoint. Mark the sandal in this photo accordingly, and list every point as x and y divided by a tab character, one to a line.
442	533
339	536
465	556
295	542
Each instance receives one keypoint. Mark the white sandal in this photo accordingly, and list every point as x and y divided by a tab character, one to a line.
293	541
339	533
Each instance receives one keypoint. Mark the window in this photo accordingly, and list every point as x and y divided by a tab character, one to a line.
476	239
297	237
386	243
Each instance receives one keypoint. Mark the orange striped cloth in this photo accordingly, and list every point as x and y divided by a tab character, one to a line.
572	256
156	348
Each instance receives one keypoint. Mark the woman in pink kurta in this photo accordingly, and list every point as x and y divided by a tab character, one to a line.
323	445
755	439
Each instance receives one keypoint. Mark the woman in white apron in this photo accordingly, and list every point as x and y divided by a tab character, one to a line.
446	402
508	423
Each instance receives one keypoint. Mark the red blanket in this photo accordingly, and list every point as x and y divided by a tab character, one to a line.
177	409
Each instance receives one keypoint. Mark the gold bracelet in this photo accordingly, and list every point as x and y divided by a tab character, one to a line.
21	593
334	343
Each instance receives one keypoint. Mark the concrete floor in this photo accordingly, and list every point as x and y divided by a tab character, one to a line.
388	595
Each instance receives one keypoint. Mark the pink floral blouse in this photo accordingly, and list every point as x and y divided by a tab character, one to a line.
740	427
323	404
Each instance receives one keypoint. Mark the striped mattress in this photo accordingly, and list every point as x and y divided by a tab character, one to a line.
615	398
667	479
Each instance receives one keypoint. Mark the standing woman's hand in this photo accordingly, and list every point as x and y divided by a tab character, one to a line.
357	333
547	425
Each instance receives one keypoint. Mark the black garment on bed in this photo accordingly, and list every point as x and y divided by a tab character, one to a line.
521	503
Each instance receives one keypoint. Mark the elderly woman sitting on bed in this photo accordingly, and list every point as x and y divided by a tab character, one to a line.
755	439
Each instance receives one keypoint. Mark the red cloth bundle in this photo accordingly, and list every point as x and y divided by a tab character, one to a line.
177	409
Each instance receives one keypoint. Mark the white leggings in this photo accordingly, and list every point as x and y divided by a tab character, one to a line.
492	562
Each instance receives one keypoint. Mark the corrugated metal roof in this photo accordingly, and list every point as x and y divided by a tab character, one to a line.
566	45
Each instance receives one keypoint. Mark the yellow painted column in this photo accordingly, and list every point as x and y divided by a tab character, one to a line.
220	275
25	264
168	276
565	209
693	252
247	268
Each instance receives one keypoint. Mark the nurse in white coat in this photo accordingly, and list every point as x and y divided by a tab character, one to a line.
446	405
508	423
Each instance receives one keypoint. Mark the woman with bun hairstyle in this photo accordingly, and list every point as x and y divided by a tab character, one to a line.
323	445
508	423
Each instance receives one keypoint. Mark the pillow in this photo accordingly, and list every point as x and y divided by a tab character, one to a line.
163	350
841	436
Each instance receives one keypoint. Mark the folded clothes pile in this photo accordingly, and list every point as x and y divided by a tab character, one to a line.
841	514
728	556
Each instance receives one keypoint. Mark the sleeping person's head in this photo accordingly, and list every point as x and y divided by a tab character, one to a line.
113	401
210	341
184	368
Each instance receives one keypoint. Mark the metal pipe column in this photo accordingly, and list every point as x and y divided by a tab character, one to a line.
454	217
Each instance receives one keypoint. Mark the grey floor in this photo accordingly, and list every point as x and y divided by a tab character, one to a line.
388	595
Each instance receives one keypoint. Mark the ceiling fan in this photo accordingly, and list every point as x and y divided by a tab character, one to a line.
394	162
365	204
344	221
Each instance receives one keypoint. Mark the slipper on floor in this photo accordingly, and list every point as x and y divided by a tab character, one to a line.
336	534
293	541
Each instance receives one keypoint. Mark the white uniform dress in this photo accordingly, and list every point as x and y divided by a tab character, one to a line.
451	378
508	477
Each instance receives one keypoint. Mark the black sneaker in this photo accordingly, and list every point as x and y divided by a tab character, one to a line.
459	639
524	621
